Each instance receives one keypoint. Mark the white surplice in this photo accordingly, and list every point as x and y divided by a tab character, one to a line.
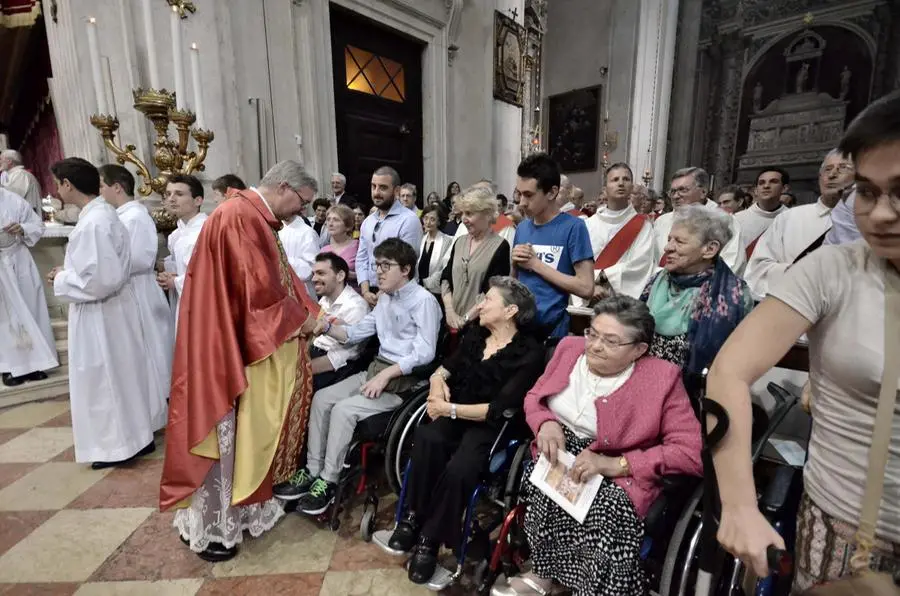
181	244
732	253
632	272
26	338
301	245
23	183
755	221
156	319
785	240
112	406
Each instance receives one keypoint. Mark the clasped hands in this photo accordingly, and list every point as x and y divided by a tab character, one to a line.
14	229
550	439
438	403
166	280
524	257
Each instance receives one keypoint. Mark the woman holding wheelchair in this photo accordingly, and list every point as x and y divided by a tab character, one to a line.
495	364
845	299
625	416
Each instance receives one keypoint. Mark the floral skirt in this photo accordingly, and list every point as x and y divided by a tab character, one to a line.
600	556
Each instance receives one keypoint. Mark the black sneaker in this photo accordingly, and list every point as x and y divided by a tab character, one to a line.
296	486
319	497
424	560
404	537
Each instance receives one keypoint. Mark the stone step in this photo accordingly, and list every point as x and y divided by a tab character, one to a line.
60	328
62	351
55	385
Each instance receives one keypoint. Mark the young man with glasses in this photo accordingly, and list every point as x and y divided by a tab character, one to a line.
690	186
801	230
771	184
390	219
406	320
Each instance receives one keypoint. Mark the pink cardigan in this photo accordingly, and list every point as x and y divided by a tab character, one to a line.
649	420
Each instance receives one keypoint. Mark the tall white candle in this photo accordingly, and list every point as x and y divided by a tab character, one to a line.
94	49
108	87
198	88
151	44
177	59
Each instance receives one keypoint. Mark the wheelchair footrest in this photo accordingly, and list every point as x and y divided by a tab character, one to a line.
381	538
441	579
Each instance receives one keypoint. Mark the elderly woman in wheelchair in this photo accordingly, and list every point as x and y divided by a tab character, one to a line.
470	399
624	416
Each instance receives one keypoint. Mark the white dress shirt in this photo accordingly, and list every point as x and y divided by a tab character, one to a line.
349	307
574	406
301	245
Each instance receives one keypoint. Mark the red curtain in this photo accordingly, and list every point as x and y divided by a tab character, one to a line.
41	148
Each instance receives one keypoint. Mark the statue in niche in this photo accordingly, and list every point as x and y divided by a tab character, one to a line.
757	97
802	77
846	75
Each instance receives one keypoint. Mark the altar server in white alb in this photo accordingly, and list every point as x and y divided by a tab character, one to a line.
117	189
111	400
799	230
690	186
27	348
184	197
301	245
621	239
19	180
771	183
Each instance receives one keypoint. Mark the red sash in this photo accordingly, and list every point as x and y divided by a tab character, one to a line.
752	246
620	243
501	224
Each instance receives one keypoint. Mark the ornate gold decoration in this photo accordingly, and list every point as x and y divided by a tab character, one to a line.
169	156
808	19
184	7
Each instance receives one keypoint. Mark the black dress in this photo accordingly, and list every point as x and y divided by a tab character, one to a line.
450	456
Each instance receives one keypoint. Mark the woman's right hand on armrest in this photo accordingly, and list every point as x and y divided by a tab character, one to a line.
550	438
746	533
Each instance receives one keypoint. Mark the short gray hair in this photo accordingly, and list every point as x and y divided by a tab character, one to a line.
388	171
340	177
13	156
630	313
487	183
701	177
709	223
290	172
515	293
411	188
834	153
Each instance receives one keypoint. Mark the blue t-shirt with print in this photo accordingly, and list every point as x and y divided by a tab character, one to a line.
559	243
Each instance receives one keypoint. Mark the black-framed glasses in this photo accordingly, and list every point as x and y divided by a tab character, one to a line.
385	266
867	198
608	342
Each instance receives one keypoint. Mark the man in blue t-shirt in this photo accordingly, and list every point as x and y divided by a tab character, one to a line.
552	251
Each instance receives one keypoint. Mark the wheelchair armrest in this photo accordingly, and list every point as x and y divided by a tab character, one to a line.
676	482
510	413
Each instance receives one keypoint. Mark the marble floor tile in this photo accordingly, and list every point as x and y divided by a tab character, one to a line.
159	439
66	456
135	484
38	589
352	554
295	545
176	587
9	473
70	545
37	445
297	584
64	419
33	414
51	486
153	552
14	526
378	582
8	434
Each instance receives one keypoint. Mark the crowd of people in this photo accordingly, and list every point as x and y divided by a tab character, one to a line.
300	327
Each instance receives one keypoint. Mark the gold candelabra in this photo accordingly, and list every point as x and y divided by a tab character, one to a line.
169	156
647	178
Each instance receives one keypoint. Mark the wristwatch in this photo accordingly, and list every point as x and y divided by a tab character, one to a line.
452	411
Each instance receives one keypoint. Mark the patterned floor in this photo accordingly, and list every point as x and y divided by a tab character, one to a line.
66	529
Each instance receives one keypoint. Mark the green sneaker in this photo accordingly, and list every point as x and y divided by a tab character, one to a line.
319	497
296	486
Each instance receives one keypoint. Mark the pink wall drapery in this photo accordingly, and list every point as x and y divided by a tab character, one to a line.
41	148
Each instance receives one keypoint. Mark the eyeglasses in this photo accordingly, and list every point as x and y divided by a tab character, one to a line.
385	266
608	342
867	198
681	190
843	168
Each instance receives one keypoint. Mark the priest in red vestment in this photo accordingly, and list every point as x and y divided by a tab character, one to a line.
241	380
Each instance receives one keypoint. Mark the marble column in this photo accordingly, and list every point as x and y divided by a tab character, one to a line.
729	106
648	139
684	90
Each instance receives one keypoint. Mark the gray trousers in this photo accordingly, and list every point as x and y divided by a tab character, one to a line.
332	419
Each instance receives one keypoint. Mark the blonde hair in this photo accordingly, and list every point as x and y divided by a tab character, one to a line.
478	199
346	214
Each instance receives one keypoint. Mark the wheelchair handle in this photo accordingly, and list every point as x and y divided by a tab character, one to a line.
779	561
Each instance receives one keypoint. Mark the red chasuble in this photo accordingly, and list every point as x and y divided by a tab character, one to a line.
237	309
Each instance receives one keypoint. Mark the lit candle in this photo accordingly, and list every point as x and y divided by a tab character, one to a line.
176	58
108	87
94	49
151	45
198	88
647	173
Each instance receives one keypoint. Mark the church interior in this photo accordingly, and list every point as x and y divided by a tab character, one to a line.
443	92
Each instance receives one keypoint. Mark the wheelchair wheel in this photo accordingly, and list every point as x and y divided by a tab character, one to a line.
677	563
399	441
514	477
367	524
